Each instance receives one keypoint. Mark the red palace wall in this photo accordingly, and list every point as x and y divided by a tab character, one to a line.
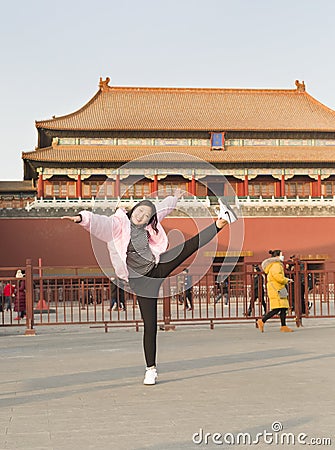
62	243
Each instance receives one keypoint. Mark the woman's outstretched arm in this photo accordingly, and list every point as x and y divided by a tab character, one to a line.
168	204
102	227
75	219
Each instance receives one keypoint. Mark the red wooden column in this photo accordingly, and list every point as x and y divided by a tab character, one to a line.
155	184
193	185
40	185
319	185
117	185
282	185
246	185
79	188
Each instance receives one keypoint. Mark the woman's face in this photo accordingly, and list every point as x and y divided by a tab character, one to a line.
141	215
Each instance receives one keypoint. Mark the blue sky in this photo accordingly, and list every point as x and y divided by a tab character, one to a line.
53	54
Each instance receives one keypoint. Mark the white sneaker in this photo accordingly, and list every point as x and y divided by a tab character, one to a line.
150	376
226	212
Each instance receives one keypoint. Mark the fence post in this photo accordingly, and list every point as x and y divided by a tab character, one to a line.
297	293
29	300
167	308
40	274
82	295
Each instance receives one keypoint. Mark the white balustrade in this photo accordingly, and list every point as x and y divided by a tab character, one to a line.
104	203
184	202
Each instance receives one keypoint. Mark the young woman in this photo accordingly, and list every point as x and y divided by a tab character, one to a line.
276	287
257	294
137	246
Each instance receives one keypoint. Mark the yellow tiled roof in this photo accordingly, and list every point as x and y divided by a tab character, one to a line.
92	154
16	186
139	108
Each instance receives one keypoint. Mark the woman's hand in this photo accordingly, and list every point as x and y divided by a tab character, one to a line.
75	219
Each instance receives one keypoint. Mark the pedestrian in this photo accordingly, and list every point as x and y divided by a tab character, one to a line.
137	246
223	289
180	289
295	262
276	288
117	295
188	290
257	294
8	292
20	295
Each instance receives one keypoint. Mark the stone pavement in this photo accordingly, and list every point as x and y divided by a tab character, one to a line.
78	388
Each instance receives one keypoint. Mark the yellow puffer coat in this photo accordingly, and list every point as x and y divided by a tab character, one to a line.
276	280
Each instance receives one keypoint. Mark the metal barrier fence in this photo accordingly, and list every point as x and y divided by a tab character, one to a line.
79	298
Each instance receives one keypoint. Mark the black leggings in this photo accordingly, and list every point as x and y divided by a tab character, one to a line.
147	290
282	313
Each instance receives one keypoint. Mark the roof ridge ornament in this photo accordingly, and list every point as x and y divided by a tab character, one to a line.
300	86
103	84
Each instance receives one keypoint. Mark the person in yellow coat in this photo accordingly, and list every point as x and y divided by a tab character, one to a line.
276	288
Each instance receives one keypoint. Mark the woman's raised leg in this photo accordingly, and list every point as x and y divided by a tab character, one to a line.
172	259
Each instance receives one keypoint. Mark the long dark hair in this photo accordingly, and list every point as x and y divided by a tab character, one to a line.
275	252
153	221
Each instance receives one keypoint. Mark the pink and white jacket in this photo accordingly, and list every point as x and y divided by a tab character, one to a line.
115	231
